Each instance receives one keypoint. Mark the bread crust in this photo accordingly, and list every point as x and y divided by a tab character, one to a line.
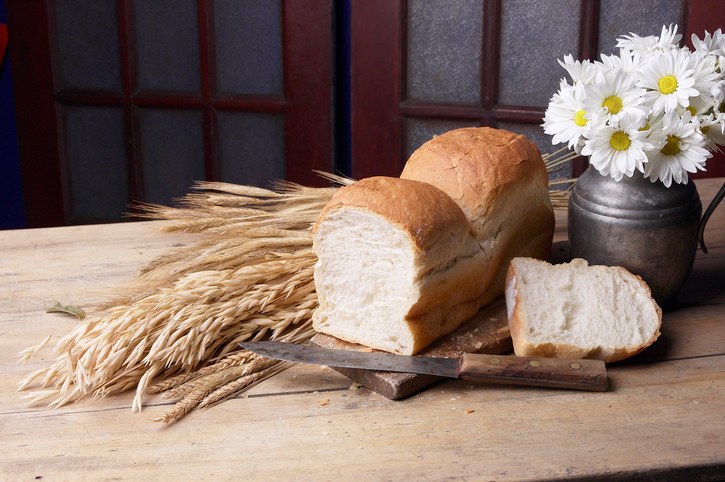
518	326
478	166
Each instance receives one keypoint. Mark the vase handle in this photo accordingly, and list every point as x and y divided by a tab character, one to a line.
705	217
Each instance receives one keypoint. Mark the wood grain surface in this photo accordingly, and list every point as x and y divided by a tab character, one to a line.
662	418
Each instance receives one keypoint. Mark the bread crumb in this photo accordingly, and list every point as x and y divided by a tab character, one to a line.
468	410
479	345
324	401
355	386
367	349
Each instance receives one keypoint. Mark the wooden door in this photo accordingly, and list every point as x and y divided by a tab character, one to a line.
422	67
130	100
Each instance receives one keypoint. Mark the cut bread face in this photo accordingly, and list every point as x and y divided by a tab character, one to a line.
574	310
366	280
397	273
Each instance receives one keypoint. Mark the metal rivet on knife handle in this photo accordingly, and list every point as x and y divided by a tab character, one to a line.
495	361
535	363
575	366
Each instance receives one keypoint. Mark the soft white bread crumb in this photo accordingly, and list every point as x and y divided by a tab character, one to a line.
574	310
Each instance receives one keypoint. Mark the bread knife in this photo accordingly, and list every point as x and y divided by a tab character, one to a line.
474	367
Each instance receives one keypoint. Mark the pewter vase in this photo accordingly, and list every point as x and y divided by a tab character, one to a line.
645	227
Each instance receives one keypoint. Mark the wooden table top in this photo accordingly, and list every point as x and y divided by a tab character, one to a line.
663	417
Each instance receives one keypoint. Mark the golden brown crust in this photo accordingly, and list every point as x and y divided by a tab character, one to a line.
428	214
474	165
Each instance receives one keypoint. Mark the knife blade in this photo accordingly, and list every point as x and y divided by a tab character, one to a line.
475	367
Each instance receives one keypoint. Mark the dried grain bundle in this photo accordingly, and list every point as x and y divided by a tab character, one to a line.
179	329
247	277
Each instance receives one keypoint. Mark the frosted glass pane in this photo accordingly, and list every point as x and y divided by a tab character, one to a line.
444	50
249	46
419	131
534	34
643	17
535	134
252	148
167	45
97	168
172	152
88	55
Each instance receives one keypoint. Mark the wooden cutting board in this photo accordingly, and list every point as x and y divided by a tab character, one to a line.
486	332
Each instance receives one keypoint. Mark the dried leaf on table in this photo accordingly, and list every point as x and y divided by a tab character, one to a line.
56	307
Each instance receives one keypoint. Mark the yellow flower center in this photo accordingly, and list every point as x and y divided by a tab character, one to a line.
620	141
692	111
579	118
644	128
613	104
667	84
705	130
672	147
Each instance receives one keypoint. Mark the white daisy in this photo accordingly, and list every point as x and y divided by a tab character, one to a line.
618	149
668	40
709	45
615	95
584	71
564	118
668	80
718	93
709	124
704	72
679	149
627	61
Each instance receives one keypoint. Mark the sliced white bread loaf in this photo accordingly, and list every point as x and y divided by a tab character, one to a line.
499	180
574	310
397	265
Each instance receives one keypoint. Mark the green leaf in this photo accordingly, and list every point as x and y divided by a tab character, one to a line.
56	307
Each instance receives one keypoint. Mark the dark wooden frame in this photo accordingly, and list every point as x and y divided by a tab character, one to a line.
307	102
378	32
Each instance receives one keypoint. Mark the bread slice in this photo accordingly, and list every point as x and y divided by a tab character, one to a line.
499	180
574	310
397	265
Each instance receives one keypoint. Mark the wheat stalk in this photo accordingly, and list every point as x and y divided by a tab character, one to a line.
175	327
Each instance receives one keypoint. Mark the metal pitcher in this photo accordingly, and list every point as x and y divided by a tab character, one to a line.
649	229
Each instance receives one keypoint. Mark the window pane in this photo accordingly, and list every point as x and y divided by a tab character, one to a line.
252	148
420	131
172	152
249	46
97	169
444	50
643	17
534	34
88	55
167	45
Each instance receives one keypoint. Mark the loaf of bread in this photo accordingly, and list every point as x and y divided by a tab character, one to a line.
397	265
574	310
402	262
499	180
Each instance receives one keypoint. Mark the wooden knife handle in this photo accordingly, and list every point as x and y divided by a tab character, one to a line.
538	372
